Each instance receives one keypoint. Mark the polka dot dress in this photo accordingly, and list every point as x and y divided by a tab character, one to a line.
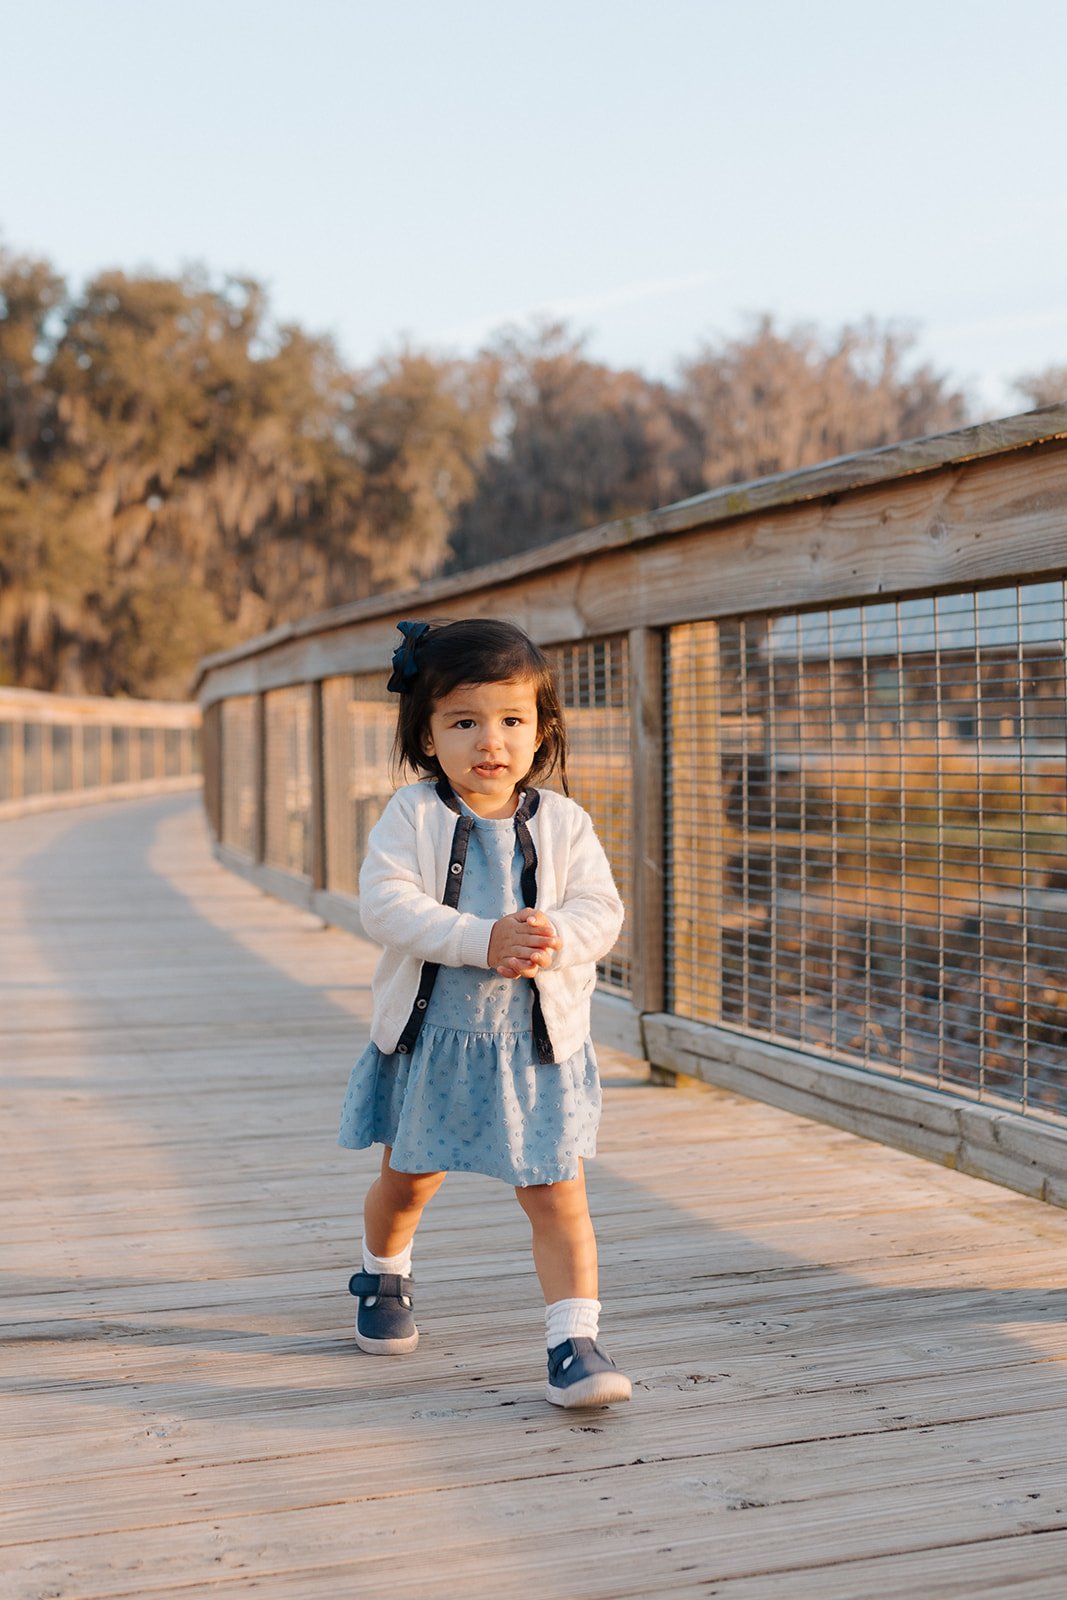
472	1096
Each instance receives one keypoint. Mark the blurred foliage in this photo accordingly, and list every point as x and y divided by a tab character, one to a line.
1047	388
179	472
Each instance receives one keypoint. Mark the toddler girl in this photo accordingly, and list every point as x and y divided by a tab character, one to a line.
493	901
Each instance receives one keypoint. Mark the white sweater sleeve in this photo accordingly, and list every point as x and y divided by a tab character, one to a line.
396	910
589	917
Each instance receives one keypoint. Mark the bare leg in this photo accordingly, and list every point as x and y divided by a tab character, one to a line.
394	1206
564	1244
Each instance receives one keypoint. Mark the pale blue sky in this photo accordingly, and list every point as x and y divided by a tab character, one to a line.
651	168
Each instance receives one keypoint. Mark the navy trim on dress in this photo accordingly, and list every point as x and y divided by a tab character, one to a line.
528	882
453	883
457	860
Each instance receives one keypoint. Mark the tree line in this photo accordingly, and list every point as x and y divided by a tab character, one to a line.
179	471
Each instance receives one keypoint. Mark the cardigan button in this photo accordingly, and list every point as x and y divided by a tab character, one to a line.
421	1005
401	1049
454	868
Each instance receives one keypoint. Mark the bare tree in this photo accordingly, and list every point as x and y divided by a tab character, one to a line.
577	443
1045	388
773	400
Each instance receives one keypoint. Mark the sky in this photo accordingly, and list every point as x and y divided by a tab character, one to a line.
654	171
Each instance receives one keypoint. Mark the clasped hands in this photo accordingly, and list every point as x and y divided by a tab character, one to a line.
521	944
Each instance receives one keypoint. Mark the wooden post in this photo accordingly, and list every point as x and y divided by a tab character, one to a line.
696	821
210	763
647	841
260	776
77	756
45	747
18	758
318	863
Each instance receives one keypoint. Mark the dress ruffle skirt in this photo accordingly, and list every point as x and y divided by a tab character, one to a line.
472	1096
475	1102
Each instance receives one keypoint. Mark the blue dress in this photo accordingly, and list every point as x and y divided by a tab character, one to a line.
472	1096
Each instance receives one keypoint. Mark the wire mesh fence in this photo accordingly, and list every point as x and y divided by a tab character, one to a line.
870	804
63	745
239	808
287	785
593	679
358	718
866	823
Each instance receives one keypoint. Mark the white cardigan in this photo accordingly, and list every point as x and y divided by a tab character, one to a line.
400	891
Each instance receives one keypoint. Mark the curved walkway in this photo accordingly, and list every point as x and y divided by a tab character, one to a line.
850	1364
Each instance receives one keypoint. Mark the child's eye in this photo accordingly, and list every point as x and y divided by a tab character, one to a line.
464	722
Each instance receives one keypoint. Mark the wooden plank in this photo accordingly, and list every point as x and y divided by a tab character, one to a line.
1026	1154
1027	435
259	779
647	869
317	863
68	799
970	523
849	1363
696	818
82	1503
606	1536
37	705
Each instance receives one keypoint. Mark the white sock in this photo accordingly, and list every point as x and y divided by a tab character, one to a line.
571	1319
400	1264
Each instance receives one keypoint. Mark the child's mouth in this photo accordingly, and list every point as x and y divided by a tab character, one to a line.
489	769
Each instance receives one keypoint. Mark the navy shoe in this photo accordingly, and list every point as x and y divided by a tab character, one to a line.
580	1373
385	1322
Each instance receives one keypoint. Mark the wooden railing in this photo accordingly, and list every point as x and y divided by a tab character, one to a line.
68	749
821	724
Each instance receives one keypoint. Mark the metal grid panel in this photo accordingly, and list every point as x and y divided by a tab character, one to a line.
10	760
288	779
594	686
56	757
358	723
35	754
62	763
92	740
211	733
883	841
239	774
120	755
175	743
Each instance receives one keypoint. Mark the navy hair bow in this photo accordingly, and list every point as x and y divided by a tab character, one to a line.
405	663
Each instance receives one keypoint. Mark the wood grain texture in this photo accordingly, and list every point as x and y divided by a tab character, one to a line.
961	519
1025	1153
850	1364
550	570
646	646
34	705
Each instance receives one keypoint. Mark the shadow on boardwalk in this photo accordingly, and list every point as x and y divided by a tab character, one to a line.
848	1363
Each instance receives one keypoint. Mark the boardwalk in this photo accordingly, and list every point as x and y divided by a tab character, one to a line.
850	1365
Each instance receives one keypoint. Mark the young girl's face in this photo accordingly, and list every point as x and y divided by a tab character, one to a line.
485	736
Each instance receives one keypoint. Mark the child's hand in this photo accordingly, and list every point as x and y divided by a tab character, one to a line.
522	944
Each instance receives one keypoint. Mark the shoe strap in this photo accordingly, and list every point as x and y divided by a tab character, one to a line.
574	1347
386	1285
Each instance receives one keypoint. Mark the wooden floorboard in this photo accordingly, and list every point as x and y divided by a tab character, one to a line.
850	1366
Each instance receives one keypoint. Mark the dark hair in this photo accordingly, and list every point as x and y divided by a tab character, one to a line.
478	650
